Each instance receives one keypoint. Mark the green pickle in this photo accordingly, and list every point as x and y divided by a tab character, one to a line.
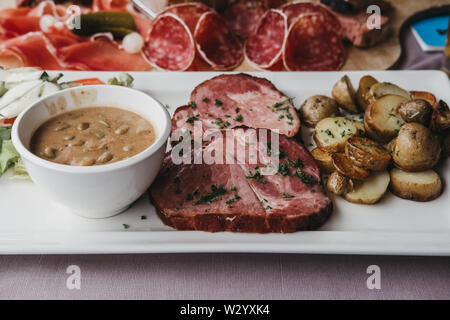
118	23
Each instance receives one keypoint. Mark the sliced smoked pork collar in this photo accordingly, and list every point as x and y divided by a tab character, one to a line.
232	100
236	196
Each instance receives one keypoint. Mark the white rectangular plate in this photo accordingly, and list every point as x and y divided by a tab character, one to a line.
31	224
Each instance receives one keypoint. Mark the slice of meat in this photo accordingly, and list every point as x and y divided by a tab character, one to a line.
244	16
294	10
265	48
356	31
190	13
170	45
34	49
232	197
313	45
216	44
102	55
231	100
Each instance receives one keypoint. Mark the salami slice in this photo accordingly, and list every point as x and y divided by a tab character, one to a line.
216	44
312	45
190	13
264	50
296	9
243	17
170	45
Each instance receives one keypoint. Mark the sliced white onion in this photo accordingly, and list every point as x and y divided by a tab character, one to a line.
46	22
133	42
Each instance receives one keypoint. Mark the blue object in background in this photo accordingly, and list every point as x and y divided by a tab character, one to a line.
431	33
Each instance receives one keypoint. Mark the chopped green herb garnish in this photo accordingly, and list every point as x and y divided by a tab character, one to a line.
218	102
257	176
305	178
193	105
191	119
205	99
285	195
125	226
216	191
239	118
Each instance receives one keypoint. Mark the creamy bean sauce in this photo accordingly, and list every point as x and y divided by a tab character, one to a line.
92	136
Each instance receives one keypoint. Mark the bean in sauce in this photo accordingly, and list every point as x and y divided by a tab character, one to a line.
92	136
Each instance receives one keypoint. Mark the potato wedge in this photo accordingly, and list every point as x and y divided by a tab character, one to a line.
316	108
440	119
381	118
331	134
344	94
367	154
365	83
381	89
337	183
424	95
323	160
416	148
370	190
418	186
345	166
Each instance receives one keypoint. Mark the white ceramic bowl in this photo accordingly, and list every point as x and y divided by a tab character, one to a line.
95	191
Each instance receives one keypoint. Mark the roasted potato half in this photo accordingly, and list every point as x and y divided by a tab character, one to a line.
345	167
381	118
440	119
344	94
417	186
323	160
417	110
416	148
367	154
381	89
337	183
424	95
370	190
365	83
316	108
331	134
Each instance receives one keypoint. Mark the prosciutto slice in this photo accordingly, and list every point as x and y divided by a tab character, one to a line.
24	41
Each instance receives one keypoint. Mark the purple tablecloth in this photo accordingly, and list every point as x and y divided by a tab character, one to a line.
231	276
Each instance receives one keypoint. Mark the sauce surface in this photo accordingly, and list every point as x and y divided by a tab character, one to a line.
92	136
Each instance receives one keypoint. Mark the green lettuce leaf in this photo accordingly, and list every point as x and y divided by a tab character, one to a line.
8	156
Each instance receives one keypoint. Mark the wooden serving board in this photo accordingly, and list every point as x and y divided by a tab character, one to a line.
381	57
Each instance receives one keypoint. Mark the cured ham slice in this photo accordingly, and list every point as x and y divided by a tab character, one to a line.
243	17
313	45
236	196
265	49
216	44
232	100
170	44
35	50
103	56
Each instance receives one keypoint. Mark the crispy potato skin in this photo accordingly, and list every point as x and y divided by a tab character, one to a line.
367	154
344	94
365	83
416	148
382	89
316	108
440	119
345	167
424	95
381	119
413	186
369	191
323	160
417	110
337	183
